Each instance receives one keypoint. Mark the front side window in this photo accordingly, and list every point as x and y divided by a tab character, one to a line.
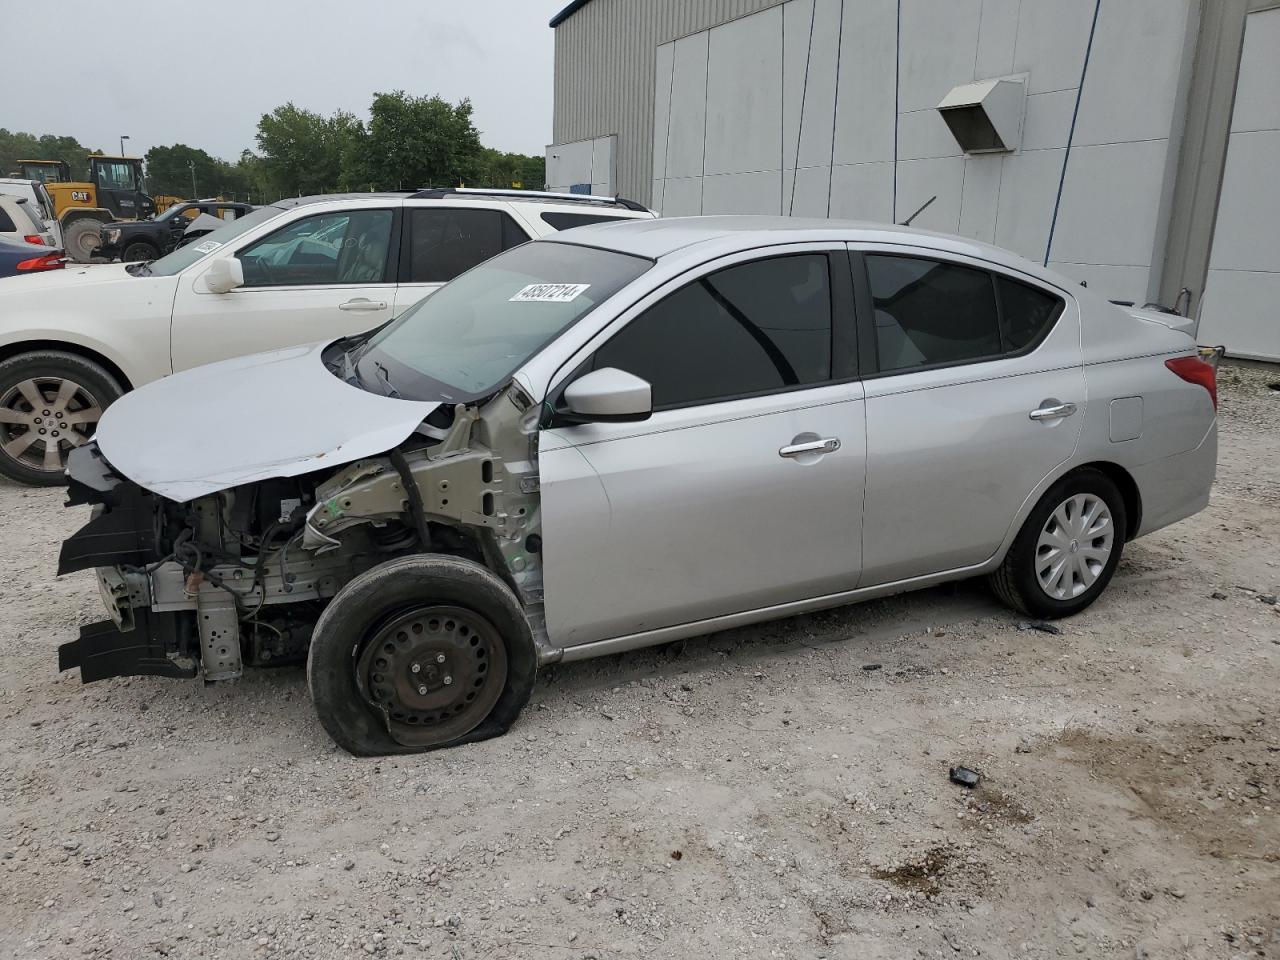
183	257
348	246
930	312
448	241
747	329
467	338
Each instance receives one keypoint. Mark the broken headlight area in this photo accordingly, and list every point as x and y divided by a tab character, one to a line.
239	577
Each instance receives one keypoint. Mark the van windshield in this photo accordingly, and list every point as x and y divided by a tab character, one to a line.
467	338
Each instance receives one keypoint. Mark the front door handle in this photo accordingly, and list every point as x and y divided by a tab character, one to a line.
363	305
829	445
1055	412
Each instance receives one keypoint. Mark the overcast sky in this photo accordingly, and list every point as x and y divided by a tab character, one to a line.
202	73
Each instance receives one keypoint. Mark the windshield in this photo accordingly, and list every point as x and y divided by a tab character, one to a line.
468	337
184	257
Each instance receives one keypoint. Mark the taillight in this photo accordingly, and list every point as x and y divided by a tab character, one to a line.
50	261
34	238
1195	370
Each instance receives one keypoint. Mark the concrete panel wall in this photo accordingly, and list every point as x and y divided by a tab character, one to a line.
1239	305
827	107
590	162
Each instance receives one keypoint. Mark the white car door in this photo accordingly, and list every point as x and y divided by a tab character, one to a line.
442	241
328	274
744	488
975	392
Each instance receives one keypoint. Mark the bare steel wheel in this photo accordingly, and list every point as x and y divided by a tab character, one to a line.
420	652
1075	546
436	671
50	403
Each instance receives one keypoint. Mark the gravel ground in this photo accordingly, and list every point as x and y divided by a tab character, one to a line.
777	791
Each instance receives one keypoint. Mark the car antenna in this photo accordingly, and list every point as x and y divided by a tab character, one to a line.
907	222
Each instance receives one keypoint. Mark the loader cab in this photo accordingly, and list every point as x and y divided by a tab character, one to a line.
120	187
46	171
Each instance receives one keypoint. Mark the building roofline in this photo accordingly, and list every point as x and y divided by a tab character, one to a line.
567	12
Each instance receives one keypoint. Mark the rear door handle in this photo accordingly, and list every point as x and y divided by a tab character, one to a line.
363	305
1055	412
829	445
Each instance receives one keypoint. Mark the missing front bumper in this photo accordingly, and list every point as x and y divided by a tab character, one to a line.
103	650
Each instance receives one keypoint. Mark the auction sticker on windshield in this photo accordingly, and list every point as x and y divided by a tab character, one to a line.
549	293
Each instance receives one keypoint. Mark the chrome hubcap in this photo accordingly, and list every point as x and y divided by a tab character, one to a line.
43	418
1074	546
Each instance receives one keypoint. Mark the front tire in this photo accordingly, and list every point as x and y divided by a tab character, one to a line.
420	653
50	403
1067	550
139	251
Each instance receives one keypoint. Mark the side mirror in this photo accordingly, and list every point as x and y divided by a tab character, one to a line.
225	274
609	396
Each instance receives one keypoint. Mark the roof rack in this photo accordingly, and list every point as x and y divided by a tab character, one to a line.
441	193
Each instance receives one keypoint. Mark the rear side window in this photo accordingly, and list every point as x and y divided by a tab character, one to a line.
928	312
6	222
752	328
1026	313
567	221
447	241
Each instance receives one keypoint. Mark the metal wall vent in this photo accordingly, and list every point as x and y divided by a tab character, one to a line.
986	116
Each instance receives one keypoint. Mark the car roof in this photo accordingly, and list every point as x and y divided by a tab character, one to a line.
665	236
21	180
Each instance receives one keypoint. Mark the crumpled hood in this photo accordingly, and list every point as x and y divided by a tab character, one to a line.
275	414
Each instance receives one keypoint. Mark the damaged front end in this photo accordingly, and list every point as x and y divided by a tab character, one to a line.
239	577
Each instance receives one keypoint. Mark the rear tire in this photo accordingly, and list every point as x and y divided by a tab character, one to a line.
73	390
357	704
1067	550
139	251
81	238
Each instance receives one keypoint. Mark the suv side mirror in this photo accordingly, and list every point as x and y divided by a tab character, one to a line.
225	274
609	395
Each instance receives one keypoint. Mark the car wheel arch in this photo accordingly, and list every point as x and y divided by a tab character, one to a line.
19	347
1113	471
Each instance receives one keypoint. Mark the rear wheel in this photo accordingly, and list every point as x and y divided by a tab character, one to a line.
82	238
138	251
50	403
419	653
1067	550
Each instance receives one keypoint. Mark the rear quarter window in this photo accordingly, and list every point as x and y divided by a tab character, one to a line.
567	221
6	222
1027	313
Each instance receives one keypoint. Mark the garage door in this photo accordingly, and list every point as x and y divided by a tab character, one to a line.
1241	306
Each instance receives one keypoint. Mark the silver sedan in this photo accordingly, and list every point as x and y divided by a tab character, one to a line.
627	434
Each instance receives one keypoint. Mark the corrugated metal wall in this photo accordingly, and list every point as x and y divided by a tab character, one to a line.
604	75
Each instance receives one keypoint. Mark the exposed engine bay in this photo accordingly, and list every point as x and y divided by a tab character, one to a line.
239	577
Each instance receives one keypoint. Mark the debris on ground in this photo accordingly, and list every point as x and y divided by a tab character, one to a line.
1042	625
965	777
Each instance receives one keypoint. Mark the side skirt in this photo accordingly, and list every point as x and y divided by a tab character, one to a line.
697	628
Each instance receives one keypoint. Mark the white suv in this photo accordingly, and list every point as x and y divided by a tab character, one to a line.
295	272
40	204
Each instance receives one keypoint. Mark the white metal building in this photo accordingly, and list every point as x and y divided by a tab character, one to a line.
1132	144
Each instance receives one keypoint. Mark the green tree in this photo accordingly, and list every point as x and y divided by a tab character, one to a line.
16	145
302	151
507	170
420	141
